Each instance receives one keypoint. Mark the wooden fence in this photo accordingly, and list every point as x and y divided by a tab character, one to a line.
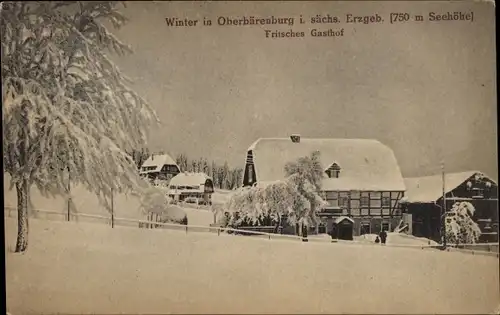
490	249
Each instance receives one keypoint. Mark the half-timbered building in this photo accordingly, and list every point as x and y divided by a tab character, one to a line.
362	179
159	167
191	187
424	197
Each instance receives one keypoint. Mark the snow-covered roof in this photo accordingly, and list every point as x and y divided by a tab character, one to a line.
429	189
157	161
365	164
189	179
342	218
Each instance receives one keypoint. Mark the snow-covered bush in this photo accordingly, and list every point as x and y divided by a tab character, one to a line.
153	198
156	206
460	228
253	205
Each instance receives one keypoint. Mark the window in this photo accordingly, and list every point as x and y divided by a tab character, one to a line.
477	193
375	203
172	169
331	195
333	202
343	201
374	195
386	201
333	171
354	203
365	201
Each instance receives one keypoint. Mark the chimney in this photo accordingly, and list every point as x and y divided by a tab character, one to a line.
295	138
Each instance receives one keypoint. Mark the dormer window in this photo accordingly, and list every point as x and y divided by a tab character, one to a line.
478	187
333	171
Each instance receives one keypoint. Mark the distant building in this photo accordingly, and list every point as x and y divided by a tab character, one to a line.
362	179
425	200
159	167
191	187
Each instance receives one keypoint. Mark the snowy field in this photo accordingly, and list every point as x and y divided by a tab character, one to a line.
91	268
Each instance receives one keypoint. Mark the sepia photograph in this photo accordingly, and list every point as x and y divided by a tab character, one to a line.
250	157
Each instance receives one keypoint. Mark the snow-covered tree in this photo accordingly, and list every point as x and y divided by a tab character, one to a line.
253	205
139	156
460	228
66	105
306	174
182	162
225	176
295	197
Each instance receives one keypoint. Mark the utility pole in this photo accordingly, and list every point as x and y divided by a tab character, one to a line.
443	209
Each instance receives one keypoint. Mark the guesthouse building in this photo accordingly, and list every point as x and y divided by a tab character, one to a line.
362	179
424	202
191	187
159	167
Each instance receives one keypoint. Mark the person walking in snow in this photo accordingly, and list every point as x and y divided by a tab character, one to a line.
383	236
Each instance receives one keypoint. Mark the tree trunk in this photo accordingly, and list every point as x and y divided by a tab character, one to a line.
22	216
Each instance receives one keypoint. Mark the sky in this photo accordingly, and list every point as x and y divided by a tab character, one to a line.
427	89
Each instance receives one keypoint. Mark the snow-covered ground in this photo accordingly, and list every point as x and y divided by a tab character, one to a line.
397	239
392	239
91	268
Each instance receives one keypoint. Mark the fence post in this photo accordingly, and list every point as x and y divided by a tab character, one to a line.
69	192
112	210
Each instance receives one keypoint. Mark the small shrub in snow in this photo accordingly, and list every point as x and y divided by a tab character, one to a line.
460	228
